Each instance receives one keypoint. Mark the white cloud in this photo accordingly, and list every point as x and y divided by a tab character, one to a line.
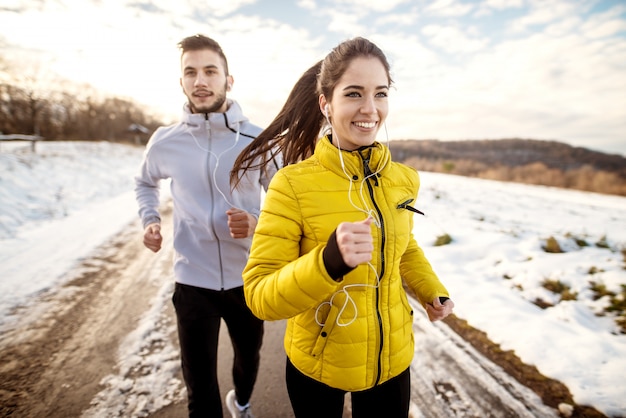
11	4
563	26
543	13
449	8
609	23
503	4
307	4
346	23
373	5
452	40
191	7
401	19
489	7
411	62
538	87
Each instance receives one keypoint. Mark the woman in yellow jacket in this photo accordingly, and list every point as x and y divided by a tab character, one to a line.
334	243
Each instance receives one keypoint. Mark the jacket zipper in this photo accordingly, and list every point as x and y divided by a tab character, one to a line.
406	205
207	126
369	176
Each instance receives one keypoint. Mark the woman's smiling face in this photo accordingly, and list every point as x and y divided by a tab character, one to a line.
359	103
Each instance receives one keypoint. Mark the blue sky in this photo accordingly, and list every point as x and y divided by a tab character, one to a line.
552	70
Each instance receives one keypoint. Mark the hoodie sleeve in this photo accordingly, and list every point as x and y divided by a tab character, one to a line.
274	163
147	192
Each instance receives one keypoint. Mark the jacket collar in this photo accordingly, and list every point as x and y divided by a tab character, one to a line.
231	119
328	156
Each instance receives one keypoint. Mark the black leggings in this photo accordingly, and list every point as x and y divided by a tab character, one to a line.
312	399
198	313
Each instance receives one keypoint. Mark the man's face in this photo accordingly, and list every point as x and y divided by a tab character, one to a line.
204	81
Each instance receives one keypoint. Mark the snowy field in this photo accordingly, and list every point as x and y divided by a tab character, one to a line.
67	198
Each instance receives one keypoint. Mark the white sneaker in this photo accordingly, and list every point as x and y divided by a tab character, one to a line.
233	408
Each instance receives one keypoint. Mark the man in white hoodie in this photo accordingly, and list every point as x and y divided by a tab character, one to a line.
213	226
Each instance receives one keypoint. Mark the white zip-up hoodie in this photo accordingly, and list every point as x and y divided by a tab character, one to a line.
197	155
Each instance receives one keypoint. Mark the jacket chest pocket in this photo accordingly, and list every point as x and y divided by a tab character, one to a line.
405	203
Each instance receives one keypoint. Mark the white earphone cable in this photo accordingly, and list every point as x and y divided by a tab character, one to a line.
217	161
370	213
349	300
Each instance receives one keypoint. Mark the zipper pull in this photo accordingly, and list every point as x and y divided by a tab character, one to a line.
405	205
367	171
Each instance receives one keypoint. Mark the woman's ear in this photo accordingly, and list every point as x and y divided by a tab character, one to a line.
324	106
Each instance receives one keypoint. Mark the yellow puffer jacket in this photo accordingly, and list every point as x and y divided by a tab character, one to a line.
354	333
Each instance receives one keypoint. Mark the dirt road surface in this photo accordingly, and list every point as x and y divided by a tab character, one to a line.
70	355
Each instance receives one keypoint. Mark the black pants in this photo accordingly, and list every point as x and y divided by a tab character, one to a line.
312	399
198	313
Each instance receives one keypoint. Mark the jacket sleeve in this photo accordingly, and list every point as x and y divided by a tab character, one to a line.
419	274
415	268
279	282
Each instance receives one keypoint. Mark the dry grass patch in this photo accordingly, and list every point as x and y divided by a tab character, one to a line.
444	239
552	246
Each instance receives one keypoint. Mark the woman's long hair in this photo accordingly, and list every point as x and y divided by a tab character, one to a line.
299	119
295	130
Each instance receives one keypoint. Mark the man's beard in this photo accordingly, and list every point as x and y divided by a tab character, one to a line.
220	98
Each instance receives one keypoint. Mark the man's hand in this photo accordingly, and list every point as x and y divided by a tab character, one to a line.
355	242
240	223
436	310
152	238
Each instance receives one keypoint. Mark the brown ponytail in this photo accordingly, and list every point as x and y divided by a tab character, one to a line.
293	132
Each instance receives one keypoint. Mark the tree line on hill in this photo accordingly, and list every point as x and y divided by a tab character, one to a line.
64	116
547	163
35	102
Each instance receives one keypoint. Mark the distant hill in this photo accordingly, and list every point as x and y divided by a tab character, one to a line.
549	163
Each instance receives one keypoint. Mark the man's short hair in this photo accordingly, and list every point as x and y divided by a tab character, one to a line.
199	42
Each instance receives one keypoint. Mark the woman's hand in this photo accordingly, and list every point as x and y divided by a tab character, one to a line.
355	242
436	310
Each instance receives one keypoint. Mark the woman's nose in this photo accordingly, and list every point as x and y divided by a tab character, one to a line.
369	106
